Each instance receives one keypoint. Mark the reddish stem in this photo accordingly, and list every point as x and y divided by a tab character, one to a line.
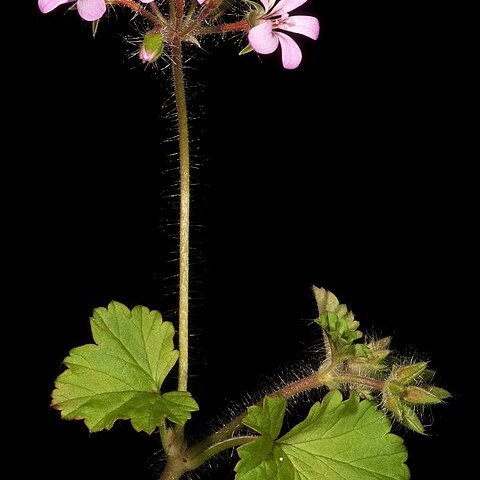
137	8
303	385
180	5
359	380
241	26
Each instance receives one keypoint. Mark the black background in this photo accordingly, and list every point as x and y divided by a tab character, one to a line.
349	172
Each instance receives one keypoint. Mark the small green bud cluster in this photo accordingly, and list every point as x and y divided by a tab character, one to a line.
369	369
405	388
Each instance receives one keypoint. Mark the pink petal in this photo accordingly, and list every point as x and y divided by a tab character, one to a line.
262	38
291	53
145	56
46	6
149	1
91	10
303	24
286	6
201	2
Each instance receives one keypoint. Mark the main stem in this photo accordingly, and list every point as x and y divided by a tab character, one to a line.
181	103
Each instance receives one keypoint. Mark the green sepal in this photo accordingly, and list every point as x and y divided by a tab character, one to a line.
246	50
95	25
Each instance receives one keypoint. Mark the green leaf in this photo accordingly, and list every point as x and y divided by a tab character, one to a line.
120	377
339	440
326	301
268	419
256	457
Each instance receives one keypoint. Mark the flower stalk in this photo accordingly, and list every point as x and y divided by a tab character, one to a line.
183	141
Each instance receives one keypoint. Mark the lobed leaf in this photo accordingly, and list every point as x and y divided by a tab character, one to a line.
339	440
120	376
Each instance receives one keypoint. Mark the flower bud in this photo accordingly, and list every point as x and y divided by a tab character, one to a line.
403	414
380	344
411	420
395	388
427	394
408	373
152	47
394	405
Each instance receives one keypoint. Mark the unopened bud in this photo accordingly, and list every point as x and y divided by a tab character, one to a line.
408	373
425	395
394	405
152	47
395	388
380	344
411	420
403	414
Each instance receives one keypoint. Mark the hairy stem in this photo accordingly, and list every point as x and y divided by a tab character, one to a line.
132	5
172	9
217	448
173	440
240	26
324	376
222	439
172	471
361	381
181	103
164	435
191	11
303	385
156	11
179	10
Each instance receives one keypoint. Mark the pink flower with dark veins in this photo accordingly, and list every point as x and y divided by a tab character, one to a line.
88	9
272	20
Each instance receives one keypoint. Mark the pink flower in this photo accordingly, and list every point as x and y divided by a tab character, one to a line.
88	9
265	36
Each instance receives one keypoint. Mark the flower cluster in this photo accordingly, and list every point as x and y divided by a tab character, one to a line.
266	24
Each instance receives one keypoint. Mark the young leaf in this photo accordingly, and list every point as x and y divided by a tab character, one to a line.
120	377
259	458
268	419
339	440
326	300
339	327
